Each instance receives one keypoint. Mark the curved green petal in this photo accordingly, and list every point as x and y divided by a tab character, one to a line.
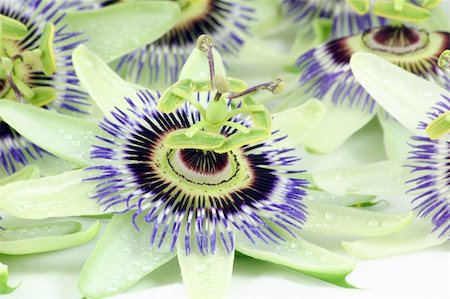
105	87
334	219
61	195
348	200
121	258
118	29
404	95
417	236
381	178
39	231
300	255
395	137
64	136
338	124
299	122
27	173
39	241
205	276
4	288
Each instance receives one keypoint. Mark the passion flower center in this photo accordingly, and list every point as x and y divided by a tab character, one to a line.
192	10
203	167
397	40
19	64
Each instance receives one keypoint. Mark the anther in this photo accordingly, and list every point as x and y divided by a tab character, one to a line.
444	60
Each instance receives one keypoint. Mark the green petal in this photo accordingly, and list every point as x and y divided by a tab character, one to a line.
43	243
4	288
300	255
121	258
381	178
196	66
39	231
338	124
205	276
105	87
395	137
61	195
417	236
307	116
334	219
66	137
118	29
404	95
348	200
27	173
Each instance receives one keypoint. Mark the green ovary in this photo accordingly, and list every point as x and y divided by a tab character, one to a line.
17	65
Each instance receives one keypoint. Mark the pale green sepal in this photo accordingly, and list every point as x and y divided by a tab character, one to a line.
408	12
439	126
49	243
121	257
395	136
333	219
4	288
338	124
348	200
118	29
402	94
105	87
205	276
298	122
380	178
12	29
300	255
416	236
62	195
196	66
64	136
27	173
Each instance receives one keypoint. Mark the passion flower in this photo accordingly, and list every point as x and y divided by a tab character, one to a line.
35	68
325	73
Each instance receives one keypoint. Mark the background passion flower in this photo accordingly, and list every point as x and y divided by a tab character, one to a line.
227	21
36	68
325	73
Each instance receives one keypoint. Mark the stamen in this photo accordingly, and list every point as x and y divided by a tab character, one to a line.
444	60
439	126
205	43
276	87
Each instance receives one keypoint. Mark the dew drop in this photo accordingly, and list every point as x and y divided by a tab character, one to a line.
20	208
294	245
200	268
308	253
328	216
131	277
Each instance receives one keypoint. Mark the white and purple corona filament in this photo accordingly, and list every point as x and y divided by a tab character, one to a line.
344	20
198	197
325	70
25	77
431	164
